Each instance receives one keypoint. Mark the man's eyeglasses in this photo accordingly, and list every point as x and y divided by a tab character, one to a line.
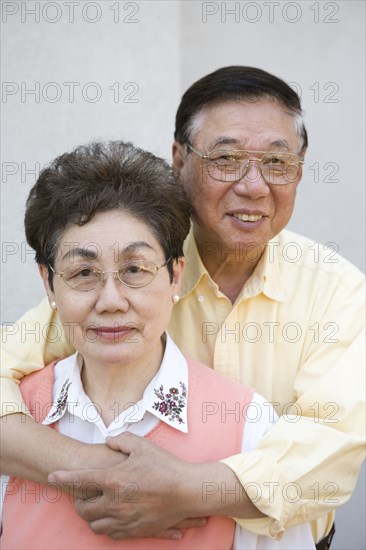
135	274
231	166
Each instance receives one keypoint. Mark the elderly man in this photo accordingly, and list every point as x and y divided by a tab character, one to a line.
259	304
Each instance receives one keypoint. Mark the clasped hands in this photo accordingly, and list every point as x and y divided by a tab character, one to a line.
148	494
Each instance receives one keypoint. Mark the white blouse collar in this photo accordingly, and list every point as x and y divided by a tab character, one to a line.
165	397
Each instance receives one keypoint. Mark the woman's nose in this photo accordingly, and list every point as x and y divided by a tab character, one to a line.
112	294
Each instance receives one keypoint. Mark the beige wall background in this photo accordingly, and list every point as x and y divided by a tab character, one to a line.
73	71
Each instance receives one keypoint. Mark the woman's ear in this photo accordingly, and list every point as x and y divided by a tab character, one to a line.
178	269
43	271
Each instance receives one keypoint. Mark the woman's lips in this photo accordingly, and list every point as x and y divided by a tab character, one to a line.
114	333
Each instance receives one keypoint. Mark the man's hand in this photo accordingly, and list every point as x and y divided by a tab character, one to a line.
143	496
153	493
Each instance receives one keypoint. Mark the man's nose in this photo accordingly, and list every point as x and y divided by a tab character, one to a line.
251	182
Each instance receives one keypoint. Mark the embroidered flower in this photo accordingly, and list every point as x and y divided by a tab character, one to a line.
62	399
172	403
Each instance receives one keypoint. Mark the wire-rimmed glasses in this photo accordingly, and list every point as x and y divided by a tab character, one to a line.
134	274
232	165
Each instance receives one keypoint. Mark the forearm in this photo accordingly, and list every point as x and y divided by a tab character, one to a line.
213	489
32	451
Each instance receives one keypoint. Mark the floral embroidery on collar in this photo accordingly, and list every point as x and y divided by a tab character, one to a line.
172	403
62	399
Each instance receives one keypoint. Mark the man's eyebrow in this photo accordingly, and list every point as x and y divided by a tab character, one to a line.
233	141
280	143
225	141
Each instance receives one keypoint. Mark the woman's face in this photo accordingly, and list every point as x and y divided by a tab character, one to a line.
113	324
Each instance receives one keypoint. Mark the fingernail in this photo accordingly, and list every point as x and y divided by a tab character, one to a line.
51	478
177	536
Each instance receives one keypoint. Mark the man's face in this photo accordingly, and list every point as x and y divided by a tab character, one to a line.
221	210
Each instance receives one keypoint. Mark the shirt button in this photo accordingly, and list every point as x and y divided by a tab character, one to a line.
201	298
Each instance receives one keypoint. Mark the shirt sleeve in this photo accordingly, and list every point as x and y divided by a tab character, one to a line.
307	465
258	423
28	345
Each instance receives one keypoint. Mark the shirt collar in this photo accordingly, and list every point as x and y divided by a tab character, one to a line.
68	392
165	397
266	277
194	269
274	283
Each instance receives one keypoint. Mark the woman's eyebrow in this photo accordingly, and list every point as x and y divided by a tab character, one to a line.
130	249
135	246
86	253
90	254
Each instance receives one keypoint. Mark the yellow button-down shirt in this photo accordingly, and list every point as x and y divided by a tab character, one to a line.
294	334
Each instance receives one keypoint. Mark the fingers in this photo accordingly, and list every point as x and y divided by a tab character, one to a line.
103	526
136	498
109	527
126	442
191	523
114	529
168	534
86	484
91	510
121	528
175	533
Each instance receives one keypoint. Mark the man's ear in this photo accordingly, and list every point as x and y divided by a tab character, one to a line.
303	152
178	157
301	167
43	271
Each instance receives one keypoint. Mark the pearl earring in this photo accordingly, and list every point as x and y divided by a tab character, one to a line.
175	298
53	305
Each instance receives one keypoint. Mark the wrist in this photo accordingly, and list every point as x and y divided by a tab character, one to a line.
96	456
213	489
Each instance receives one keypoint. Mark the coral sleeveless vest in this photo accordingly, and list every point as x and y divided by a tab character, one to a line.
39	516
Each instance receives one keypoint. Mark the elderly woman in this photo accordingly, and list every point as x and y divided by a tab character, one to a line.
107	223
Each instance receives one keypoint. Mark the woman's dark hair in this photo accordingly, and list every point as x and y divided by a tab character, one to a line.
236	83
100	177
